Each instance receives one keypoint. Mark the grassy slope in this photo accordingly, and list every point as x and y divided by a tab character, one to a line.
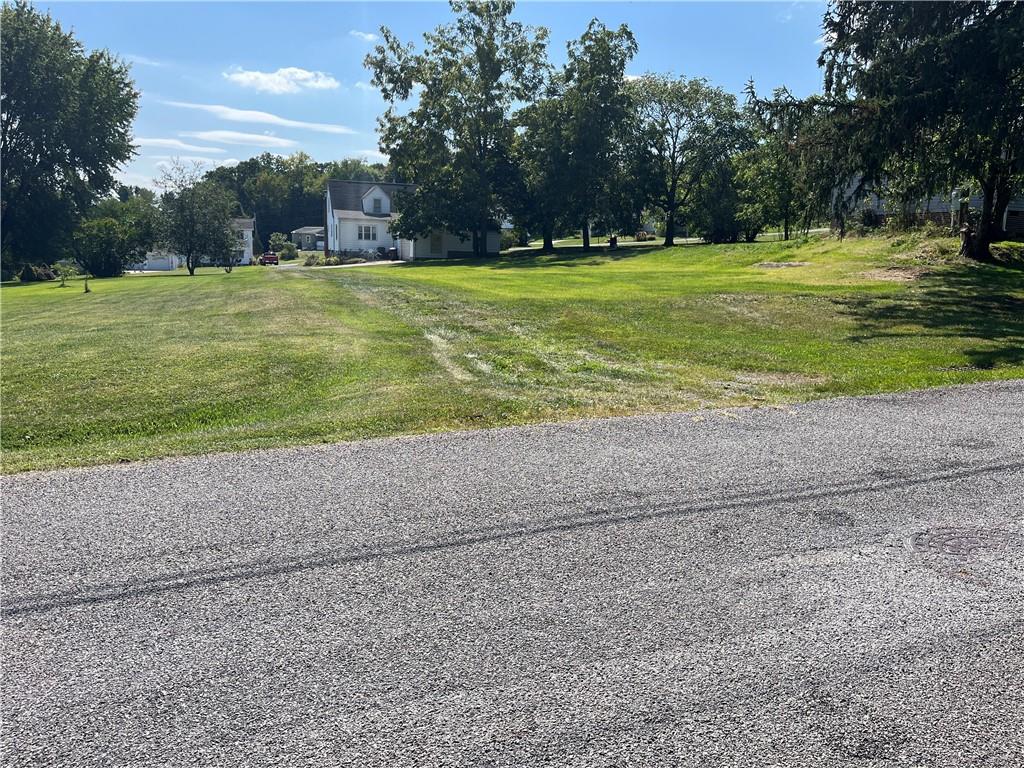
165	364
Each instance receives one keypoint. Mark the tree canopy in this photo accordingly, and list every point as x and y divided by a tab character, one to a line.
933	95
595	105
455	140
688	127
195	218
285	193
65	128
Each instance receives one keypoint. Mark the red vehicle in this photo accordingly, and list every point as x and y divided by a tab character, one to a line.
268	258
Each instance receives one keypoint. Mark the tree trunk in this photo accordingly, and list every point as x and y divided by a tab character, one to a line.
549	238
482	225
190	265
1002	201
979	248
785	226
586	235
670	227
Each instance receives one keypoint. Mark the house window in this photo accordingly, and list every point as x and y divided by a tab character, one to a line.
376	205
435	242
367	231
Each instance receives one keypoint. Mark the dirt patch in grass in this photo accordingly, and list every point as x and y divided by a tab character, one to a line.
758	384
782	264
780	379
895	274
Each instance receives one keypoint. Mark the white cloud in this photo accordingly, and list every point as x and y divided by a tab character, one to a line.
191	159
284	80
254	116
245	139
367	37
631	78
365	86
175	144
145	61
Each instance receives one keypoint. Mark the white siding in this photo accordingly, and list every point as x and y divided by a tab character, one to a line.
346	235
453	246
330	233
160	261
378	194
246	246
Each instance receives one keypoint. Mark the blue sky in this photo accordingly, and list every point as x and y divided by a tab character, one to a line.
221	82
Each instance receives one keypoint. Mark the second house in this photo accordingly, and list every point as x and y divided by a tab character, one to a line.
359	216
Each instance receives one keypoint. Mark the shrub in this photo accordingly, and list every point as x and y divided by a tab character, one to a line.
277	241
36	273
8	270
64	270
508	239
863	222
934	229
354	260
1008	251
288	252
332	261
314	259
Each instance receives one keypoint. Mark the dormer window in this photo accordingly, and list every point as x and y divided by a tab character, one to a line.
376	205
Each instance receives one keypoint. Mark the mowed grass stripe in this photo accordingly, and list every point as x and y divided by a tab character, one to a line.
160	365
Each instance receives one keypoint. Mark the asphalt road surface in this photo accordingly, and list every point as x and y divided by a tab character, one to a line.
836	583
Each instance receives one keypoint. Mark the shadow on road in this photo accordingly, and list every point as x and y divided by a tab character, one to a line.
623	514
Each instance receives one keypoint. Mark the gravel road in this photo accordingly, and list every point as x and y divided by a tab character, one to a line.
836	583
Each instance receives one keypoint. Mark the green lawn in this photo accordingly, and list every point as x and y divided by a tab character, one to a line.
167	364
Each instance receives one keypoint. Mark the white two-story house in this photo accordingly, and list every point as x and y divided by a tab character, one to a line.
359	215
244	229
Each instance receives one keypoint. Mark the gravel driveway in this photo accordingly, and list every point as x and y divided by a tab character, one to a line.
836	583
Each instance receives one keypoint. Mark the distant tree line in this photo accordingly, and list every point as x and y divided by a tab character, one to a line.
285	193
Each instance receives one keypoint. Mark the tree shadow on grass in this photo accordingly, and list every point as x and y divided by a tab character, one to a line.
535	258
973	302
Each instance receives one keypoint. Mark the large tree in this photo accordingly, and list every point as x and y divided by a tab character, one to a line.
595	104
922	81
538	196
773	163
455	140
65	128
195	218
689	127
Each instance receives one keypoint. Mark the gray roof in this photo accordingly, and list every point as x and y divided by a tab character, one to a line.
308	231
243	223
348	195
